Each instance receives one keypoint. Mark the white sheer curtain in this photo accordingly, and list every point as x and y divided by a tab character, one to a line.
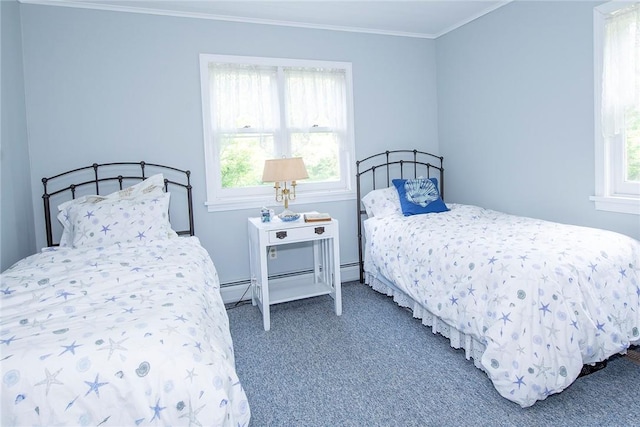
245	119
323	94
243	98
621	68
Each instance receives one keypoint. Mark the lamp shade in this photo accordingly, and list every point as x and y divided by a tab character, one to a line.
281	170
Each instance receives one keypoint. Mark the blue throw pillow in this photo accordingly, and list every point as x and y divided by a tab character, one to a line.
419	196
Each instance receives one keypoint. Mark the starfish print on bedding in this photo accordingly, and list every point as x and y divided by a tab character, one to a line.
544	308
51	379
142	298
190	374
504	269
552	331
83	233
35	298
169	329
71	348
157	409
520	381
39	323
8	341
574	323
113	346
542	370
192	415
505	318
94	386
64	294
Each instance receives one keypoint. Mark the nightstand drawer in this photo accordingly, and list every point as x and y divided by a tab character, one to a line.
309	232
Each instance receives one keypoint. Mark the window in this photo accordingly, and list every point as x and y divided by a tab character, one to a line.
617	80
263	108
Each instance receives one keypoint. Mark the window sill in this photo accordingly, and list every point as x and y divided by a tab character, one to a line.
258	202
628	205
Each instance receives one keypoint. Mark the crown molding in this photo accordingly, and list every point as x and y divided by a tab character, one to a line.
85	4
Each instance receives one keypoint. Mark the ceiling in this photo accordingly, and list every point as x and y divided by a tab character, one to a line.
416	18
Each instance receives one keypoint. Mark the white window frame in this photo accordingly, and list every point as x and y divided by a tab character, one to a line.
611	193
219	199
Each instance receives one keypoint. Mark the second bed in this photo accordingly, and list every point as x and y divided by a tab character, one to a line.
531	301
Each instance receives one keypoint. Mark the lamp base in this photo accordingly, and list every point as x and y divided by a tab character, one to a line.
288	215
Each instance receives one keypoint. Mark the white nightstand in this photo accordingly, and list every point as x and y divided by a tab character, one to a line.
326	254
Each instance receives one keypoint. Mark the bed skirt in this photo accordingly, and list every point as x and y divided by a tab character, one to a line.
472	347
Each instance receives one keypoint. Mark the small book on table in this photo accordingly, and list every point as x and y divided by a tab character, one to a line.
316	217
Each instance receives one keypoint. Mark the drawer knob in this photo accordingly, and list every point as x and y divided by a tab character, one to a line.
319	230
281	234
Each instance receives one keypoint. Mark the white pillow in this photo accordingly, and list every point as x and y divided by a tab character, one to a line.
152	185
382	202
142	220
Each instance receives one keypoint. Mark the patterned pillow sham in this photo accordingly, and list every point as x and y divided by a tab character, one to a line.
152	185
382	202
419	196
142	220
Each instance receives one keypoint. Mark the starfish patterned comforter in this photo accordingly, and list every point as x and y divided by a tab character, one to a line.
544	298
118	335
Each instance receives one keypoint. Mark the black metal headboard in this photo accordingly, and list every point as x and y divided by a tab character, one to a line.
109	177
378	170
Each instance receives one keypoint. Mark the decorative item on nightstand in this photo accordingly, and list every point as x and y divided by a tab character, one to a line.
281	172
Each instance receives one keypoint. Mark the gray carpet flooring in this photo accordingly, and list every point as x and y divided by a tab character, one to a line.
378	366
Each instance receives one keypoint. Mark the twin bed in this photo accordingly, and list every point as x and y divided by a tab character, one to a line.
122	323
532	302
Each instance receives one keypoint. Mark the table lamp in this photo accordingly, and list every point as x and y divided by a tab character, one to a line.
284	173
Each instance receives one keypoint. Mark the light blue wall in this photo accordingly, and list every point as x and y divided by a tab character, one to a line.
516	113
513	115
16	209
108	86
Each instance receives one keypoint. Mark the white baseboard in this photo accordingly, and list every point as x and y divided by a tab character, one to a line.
235	293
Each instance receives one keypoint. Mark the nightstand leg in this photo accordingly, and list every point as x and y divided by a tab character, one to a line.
254	255
317	252
254	291
264	290
325	261
335	269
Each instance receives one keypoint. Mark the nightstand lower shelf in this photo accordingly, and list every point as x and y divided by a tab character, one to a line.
292	291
